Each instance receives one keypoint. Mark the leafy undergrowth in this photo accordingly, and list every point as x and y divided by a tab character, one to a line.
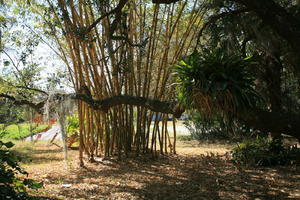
191	174
265	152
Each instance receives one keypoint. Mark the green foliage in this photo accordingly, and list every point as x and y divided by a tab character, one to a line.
72	125
19	131
9	113
265	152
2	130
11	186
216	83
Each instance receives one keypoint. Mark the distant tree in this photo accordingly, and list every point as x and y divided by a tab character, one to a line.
9	113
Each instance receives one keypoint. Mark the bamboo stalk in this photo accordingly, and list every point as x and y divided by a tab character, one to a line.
110	67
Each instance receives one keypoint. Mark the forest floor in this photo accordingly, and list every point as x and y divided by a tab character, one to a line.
198	171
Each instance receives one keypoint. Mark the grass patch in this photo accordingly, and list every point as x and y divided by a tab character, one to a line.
19	131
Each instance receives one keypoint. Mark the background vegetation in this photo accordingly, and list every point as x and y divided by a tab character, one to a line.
20	131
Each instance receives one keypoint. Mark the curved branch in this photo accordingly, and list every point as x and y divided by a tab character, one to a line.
14	64
130	43
278	122
36	106
116	10
214	18
107	103
164	1
278	18
32	89
151	104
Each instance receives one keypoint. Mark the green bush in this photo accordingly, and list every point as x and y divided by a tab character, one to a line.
72	125
3	131
11	186
265	152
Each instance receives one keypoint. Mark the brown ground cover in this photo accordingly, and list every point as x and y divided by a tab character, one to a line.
198	171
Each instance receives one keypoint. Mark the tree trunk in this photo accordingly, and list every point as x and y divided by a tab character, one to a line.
272	77
62	123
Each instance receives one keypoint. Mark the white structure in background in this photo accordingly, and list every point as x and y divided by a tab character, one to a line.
48	135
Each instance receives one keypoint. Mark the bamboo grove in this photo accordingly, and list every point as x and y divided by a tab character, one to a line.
124	47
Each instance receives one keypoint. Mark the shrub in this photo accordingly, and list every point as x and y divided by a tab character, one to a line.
11	186
72	129
3	131
72	125
265	152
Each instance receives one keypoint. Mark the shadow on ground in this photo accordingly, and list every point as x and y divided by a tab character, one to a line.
32	155
177	177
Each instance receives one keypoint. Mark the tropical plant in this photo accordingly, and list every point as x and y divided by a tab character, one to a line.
216	83
11	186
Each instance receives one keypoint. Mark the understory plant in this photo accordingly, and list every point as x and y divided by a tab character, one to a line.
263	151
12	187
72	125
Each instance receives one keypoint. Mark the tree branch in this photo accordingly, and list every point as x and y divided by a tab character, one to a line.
278	122
36	106
32	89
130	43
107	103
116	10
151	104
278	18
214	18
164	1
